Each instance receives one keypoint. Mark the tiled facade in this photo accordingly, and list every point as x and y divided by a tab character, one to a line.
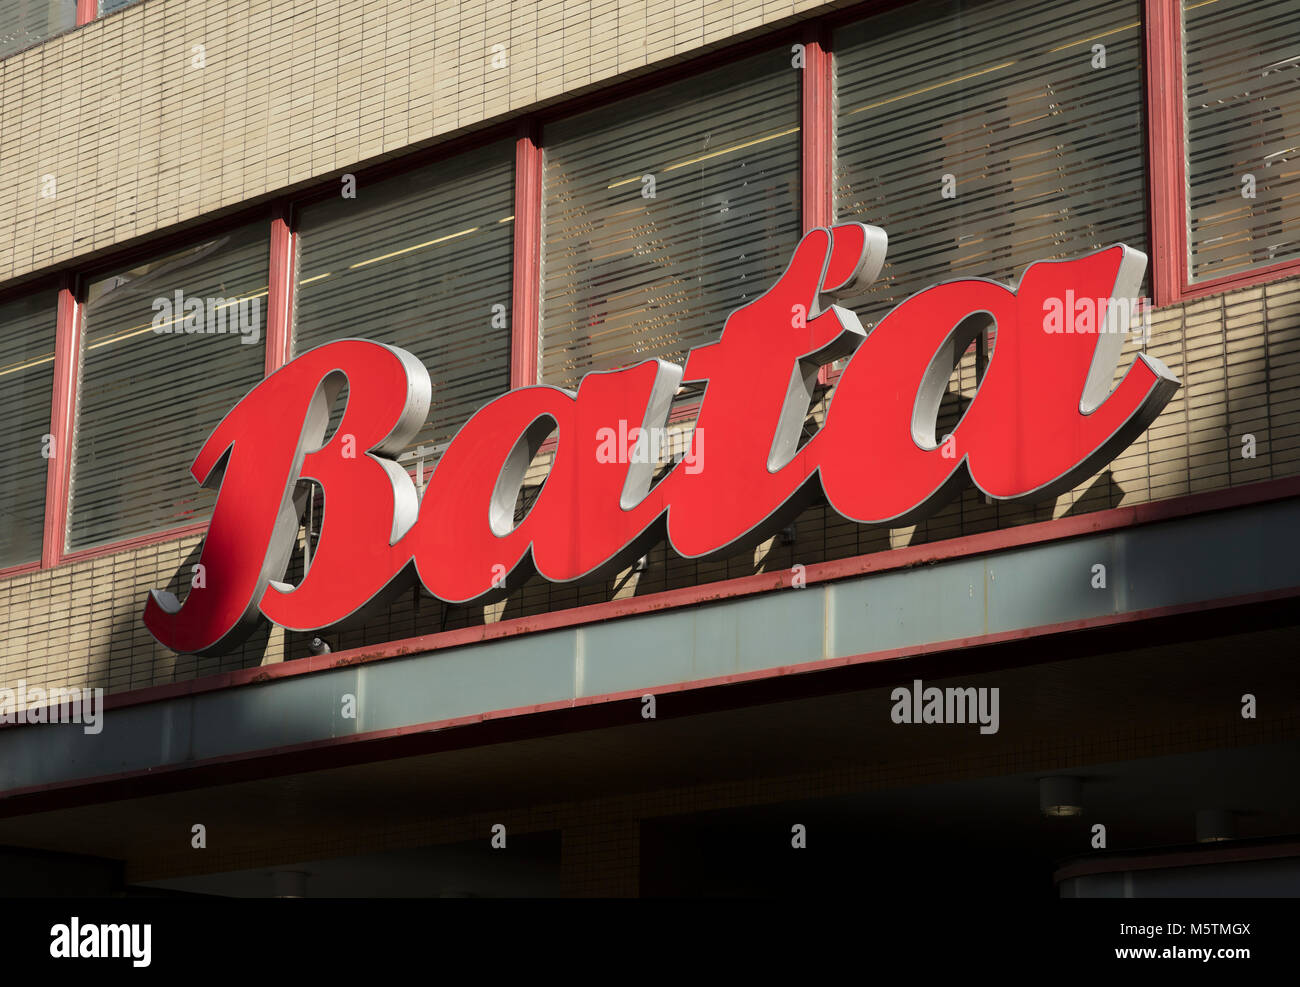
174	112
141	138
1237	354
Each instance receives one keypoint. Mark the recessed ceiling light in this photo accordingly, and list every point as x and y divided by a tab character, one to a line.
1059	796
1214	826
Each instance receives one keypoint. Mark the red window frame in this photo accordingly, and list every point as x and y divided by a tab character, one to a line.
526	306
1167	169
39	285
67	366
1167	221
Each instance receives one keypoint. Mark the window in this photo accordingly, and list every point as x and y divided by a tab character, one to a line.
27	330
421	261
665	212
24	23
108	6
985	136
168	347
1243	133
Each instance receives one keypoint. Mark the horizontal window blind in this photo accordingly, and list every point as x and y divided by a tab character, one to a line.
422	261
158	376
985	136
27	332
1242	61
24	23
664	212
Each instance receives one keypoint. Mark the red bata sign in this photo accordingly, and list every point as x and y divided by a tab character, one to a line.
1045	417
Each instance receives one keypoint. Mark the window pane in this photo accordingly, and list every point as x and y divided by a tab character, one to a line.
168	348
1044	150
421	261
108	6
633	271
24	23
1243	118
27	330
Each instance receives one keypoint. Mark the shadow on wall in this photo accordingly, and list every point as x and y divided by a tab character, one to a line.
1217	433
152	664
818	535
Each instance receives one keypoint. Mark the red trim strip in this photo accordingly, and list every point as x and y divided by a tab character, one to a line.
87	11
817	125
527	291
138	541
816	128
1166	171
345	742
67	355
19	570
280	291
1212	854
1241	279
993	541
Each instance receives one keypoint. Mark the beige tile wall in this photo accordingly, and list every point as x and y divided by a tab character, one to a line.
1238	356
140	140
139	137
